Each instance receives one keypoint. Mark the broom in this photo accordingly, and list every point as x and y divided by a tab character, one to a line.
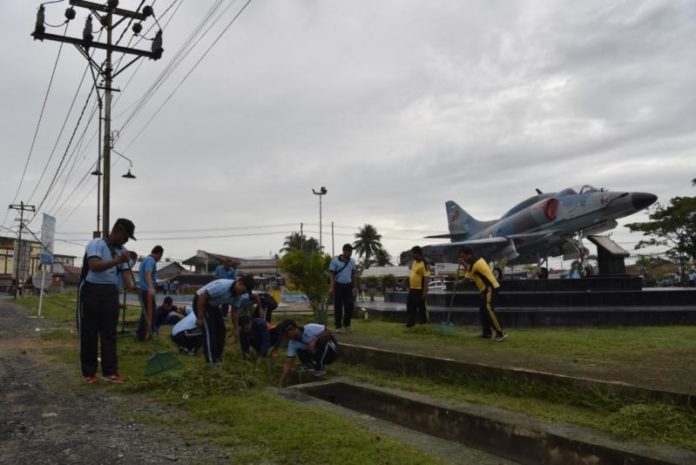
160	361
447	327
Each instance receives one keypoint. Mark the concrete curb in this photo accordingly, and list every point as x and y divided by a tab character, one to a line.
506	434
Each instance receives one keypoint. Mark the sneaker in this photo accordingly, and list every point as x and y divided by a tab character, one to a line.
305	369
91	379
318	373
115	378
338	331
500	337
349	329
485	336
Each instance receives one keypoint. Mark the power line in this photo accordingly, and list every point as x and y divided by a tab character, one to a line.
38	124
188	74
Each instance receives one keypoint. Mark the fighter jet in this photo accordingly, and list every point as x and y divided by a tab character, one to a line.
544	225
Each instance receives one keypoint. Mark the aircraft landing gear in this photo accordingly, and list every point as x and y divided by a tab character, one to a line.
498	273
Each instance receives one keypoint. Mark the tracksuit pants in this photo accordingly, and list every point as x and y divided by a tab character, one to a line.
489	319
191	339
416	307
325	352
343	304
213	331
97	322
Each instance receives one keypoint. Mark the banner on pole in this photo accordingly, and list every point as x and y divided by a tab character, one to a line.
48	231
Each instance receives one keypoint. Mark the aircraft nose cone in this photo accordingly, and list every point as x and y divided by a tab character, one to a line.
642	200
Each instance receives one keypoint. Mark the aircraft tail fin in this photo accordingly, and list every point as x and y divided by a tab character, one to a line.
461	224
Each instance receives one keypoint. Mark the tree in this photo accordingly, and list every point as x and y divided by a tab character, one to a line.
673	226
297	241
307	269
382	258
367	243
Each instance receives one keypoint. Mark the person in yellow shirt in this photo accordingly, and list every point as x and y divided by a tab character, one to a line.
418	289
478	271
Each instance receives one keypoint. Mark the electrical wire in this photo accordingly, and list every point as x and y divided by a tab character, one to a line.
217	39
50	186
38	125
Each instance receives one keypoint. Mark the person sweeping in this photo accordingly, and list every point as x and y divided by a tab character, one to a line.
480	273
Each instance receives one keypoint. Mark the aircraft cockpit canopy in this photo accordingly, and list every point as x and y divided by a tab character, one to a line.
584	189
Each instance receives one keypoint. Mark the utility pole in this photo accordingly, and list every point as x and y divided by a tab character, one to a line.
22	207
105	15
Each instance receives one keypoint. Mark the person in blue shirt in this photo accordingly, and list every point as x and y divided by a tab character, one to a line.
186	334
344	287
98	302
206	304
147	280
259	335
313	343
227	270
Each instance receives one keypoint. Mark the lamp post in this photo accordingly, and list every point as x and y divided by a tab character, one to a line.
322	192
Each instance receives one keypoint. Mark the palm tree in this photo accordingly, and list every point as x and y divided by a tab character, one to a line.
367	243
382	258
297	241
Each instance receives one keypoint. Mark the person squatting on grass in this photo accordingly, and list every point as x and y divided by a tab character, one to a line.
478	271
313	343
167	314
416	305
147	280
97	315
206	304
259	335
186	334
344	287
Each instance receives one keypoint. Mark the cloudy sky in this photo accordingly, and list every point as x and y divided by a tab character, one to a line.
394	106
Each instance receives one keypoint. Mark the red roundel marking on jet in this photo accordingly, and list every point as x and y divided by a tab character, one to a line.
455	216
551	209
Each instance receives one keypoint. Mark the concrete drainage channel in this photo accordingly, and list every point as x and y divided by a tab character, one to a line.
506	434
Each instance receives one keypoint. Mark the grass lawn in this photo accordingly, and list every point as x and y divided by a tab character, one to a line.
263	427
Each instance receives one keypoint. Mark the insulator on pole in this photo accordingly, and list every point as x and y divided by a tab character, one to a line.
148	11
39	28
157	43
137	28
87	31
70	13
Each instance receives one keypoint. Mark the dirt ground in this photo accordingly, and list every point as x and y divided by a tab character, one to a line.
47	416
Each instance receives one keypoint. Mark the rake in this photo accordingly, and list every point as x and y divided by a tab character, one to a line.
160	361
447	327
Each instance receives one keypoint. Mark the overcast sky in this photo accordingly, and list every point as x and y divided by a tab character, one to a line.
394	106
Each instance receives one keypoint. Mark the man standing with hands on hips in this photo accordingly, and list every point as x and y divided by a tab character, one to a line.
98	301
343	286
147	278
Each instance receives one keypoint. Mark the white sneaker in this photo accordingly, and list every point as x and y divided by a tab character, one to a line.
349	329
318	373
339	331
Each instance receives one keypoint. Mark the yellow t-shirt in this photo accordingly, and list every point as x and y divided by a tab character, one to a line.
419	271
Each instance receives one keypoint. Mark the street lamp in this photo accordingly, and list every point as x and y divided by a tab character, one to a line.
322	192
128	175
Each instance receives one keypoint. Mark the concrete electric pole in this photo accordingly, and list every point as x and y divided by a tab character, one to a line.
22	207
105	15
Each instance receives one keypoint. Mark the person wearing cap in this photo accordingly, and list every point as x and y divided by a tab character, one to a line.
206	304
147	281
313	343
343	286
98	302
